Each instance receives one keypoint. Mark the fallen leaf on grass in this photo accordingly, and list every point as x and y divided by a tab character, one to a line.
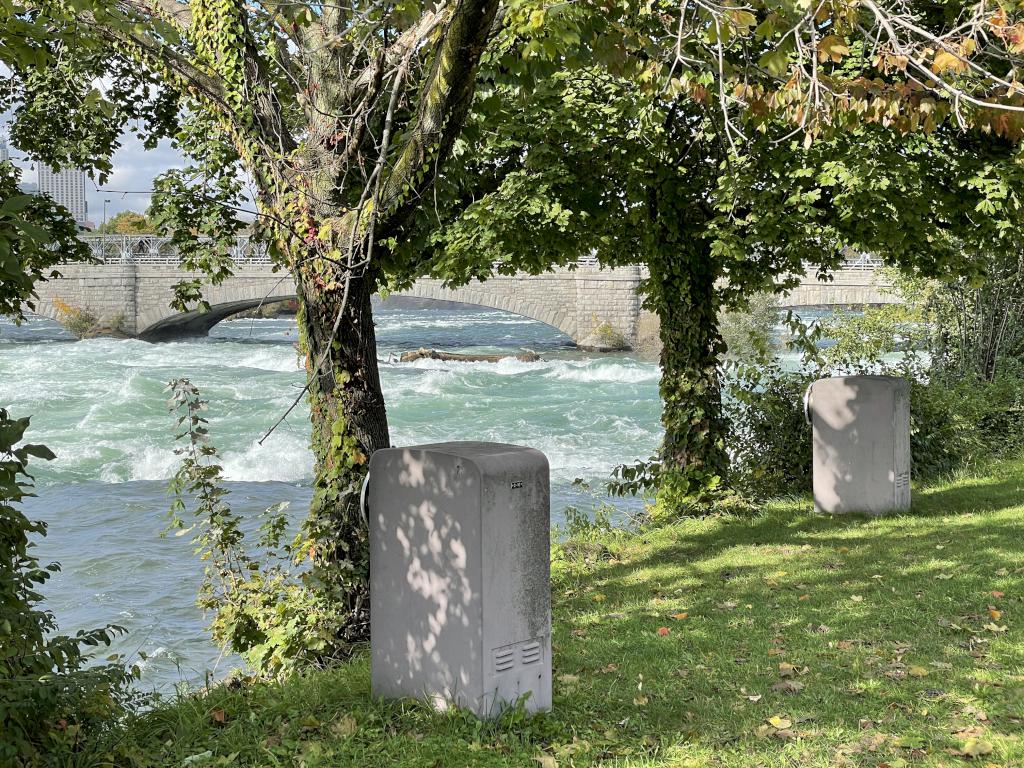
578	633
609	669
546	761
788	686
568	679
857	598
615	615
997	594
219	716
640	701
943	576
346	726
663	631
973	748
994	613
680	616
786	670
993	627
779	721
917	672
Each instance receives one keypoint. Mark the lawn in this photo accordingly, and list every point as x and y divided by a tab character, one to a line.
785	639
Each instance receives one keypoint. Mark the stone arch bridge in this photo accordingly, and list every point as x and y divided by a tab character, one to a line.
131	284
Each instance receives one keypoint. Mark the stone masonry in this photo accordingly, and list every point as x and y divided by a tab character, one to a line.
597	308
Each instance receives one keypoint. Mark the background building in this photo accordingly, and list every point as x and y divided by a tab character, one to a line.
67	188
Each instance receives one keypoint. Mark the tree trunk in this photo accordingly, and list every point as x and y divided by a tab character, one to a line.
682	292
349	423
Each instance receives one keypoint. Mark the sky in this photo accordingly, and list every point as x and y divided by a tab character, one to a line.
130	185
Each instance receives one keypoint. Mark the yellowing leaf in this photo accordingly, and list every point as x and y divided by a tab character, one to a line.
975	747
857	598
917	672
640	701
993	627
546	761
779	721
945	61
680	616
832	47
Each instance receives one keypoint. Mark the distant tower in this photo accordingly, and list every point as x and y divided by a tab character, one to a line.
4	154
67	188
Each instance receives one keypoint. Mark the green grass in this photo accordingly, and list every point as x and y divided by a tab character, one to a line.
870	643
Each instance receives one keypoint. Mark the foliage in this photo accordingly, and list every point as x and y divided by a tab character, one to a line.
263	599
128	223
77	320
788	616
36	235
749	333
770	445
51	703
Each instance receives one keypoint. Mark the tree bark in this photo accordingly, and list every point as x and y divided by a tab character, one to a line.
693	457
349	423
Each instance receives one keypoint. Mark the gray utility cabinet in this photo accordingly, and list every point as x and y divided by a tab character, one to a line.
460	595
861	433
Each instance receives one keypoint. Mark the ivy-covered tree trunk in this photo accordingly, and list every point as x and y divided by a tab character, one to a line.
682	291
349	423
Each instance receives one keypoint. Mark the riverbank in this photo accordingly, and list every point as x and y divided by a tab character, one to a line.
776	640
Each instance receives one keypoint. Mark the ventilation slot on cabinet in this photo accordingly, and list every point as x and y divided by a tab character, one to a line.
504	659
530	653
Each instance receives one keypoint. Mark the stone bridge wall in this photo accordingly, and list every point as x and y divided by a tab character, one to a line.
594	307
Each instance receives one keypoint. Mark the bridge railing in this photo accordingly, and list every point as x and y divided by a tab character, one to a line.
158	250
246	251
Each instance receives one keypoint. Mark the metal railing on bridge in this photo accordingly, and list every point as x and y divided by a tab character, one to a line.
158	250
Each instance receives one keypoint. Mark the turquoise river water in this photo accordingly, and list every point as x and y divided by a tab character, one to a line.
99	405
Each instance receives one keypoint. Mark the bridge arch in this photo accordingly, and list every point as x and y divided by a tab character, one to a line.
157	321
562	318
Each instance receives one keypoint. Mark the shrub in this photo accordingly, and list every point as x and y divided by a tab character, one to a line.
770	452
749	334
75	319
50	702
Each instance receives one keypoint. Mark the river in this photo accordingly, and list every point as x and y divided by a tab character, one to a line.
99	405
